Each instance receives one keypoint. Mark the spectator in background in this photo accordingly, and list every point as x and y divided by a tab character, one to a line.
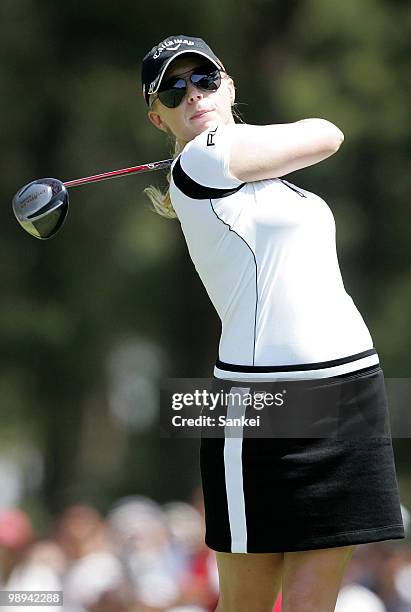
95	579
16	534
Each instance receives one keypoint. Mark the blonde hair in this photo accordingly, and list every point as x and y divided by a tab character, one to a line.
160	200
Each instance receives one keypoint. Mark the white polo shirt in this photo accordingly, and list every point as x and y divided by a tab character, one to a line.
266	254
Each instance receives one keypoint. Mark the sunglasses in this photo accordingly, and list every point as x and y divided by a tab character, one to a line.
172	92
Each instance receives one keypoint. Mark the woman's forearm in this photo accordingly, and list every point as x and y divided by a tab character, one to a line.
267	151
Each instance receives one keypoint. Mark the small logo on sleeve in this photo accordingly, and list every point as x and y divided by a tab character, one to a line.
210	137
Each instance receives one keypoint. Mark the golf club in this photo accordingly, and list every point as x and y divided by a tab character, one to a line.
41	206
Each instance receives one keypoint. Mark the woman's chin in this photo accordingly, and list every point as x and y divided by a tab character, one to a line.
206	123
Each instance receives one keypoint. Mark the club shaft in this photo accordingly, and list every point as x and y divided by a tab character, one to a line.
160	165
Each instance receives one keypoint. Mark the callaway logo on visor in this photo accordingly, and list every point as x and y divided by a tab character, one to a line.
168	44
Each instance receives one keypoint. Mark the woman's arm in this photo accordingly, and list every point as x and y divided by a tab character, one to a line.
267	151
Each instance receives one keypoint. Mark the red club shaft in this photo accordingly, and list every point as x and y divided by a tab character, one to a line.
160	165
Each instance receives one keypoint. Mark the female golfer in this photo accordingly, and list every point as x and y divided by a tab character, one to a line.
282	510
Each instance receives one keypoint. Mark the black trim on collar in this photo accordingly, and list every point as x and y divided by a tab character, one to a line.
196	191
230	367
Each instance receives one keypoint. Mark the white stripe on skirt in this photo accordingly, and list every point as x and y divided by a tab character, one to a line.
233	466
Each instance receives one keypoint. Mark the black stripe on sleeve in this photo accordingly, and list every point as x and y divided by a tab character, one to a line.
196	191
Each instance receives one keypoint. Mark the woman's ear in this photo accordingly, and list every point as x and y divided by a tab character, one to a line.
157	121
231	89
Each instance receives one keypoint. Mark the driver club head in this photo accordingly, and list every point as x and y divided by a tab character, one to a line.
41	207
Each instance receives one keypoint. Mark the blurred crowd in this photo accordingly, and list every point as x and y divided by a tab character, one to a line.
140	557
144	557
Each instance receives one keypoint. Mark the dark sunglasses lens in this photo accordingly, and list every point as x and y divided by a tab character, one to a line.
173	95
210	81
174	91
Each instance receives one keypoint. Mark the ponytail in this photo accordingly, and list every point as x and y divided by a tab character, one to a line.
160	200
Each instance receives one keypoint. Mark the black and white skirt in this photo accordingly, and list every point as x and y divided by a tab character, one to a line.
317	472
